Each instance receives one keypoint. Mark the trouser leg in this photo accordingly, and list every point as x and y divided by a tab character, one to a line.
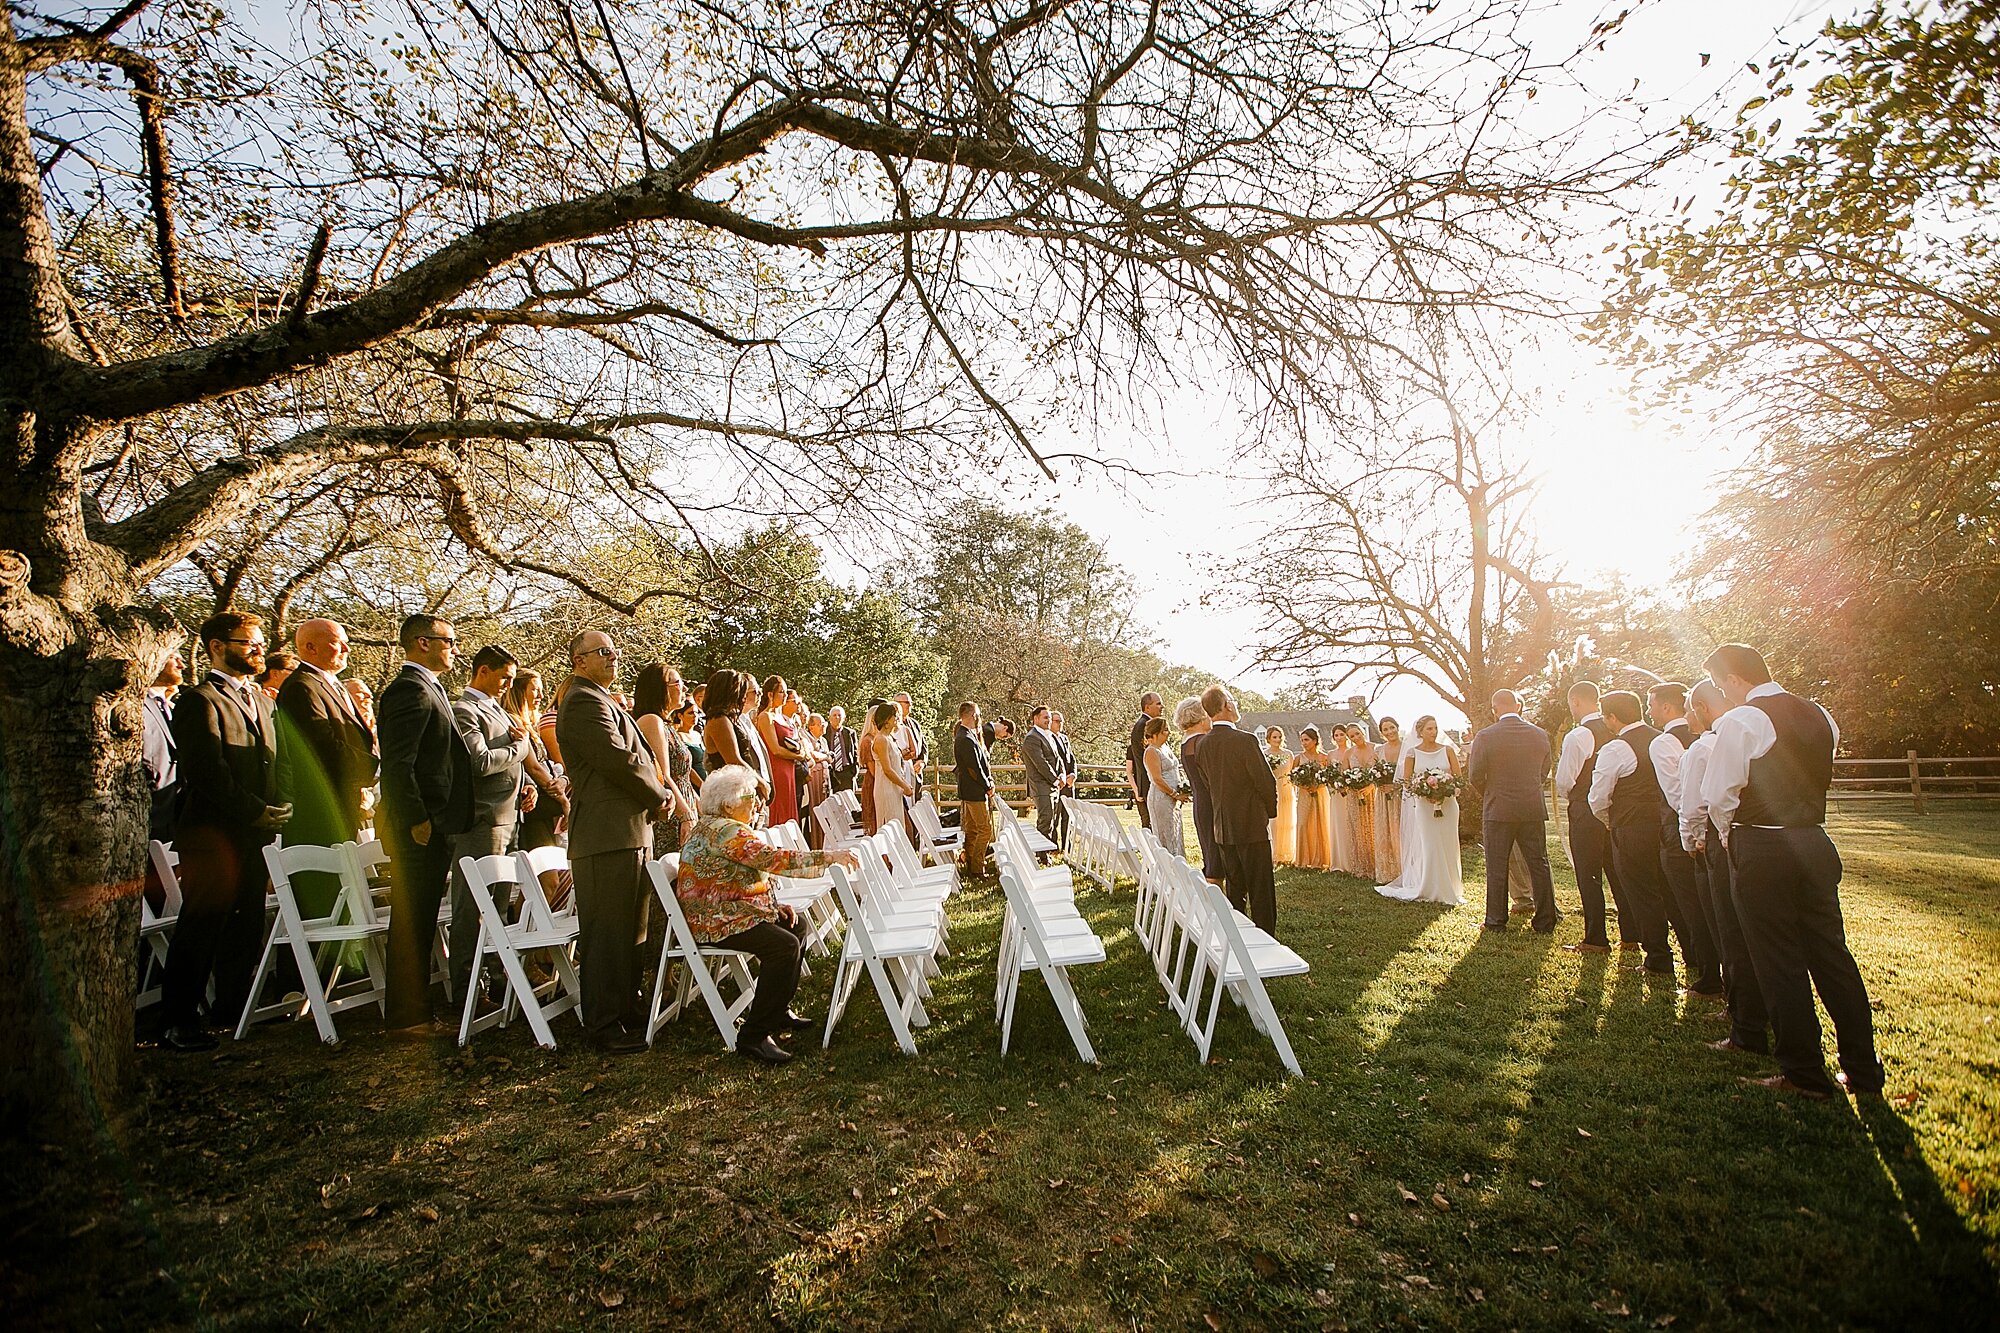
417	880
1834	973
1768	891
975	821
1533	840
1045	814
1643	915
777	950
462	943
1683	903
1497	836
1749	1022
1251	877
1589	849
608	893
211	877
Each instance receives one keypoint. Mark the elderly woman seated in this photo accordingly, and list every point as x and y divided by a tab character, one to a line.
726	894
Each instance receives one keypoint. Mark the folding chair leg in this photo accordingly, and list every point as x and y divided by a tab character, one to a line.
262	975
316	992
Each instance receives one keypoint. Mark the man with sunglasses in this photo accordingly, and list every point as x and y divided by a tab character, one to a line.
226	745
426	798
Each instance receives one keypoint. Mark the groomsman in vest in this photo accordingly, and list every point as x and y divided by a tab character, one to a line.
326	755
426	799
615	795
1666	705
1243	799
1749	1024
1589	840
843	750
1625	796
1766	785
498	746
226	745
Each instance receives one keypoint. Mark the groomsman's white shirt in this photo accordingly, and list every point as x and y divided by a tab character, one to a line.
1693	804
1741	735
1578	746
1614	761
1667	759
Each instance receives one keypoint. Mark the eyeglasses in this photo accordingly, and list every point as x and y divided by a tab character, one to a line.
446	639
256	645
608	654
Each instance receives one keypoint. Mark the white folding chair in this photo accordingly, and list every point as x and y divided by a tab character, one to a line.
940	843
811	896
894	958
1052	954
156	929
351	918
494	880
1037	841
1227	953
694	958
895	842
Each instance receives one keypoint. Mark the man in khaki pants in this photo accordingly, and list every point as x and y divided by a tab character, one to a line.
975	789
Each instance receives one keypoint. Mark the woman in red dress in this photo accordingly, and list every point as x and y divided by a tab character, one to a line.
781	742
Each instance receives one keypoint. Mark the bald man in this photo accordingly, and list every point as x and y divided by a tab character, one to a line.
326	753
1508	764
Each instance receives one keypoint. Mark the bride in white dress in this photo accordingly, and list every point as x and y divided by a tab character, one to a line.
1431	867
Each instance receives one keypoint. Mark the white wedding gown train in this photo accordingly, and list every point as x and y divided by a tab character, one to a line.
1432	869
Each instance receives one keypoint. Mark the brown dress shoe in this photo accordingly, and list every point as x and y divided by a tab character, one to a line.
1586	947
1730	1044
1780	1083
1630	946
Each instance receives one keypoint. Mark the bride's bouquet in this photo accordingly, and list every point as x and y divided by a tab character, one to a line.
1306	775
1437	787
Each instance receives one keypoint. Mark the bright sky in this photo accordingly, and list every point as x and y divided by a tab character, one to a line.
1588	428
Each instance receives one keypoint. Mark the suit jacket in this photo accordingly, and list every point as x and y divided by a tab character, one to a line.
614	781
1065	755
843	749
1039	756
1509	762
326	758
496	759
975	775
226	743
426	770
1242	790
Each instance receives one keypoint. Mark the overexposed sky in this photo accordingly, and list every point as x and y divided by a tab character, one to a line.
1175	533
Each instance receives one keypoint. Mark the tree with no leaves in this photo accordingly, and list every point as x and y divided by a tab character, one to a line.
643	260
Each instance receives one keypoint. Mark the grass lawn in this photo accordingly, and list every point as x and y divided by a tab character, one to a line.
1491	1133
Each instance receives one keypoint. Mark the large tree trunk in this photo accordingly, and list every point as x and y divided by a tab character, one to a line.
76	652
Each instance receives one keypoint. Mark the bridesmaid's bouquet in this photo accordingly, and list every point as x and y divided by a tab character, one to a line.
1436	787
1306	775
1354	781
1273	761
1383	774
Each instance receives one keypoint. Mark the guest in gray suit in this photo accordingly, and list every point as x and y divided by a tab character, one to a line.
498	745
1509	762
1042	758
615	795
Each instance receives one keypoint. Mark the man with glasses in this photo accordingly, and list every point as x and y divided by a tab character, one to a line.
226	746
615	795
426	798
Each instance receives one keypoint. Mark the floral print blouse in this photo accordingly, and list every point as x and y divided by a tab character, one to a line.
723	886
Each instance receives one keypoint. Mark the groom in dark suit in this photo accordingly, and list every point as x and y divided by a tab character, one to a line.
1243	799
1509	763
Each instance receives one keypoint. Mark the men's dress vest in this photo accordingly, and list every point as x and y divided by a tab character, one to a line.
1670	818
1636	799
1601	732
1787	786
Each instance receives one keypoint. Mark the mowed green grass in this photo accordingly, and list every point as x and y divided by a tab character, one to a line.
1490	1133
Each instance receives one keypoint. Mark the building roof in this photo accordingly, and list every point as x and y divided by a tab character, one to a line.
1295	720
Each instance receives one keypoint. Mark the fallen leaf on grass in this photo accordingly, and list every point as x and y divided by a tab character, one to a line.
1582	1132
590	1087
428	1213
1665	1320
1407	1196
611	1300
1536	1184
1441	1203
1613	1307
1214	1321
1904	1101
1477	1295
1354	1219
1264	1264
1057	1184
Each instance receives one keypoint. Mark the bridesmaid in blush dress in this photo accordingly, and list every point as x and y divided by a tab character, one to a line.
1389	807
1311	824
1283	827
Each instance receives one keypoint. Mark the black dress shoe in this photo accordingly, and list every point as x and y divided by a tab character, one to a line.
763	1050
187	1037
619	1043
1500	929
